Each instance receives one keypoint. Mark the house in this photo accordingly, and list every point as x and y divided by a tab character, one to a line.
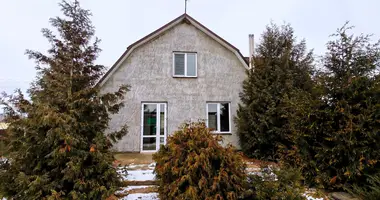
180	72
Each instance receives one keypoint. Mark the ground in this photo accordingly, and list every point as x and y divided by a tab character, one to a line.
140	177
133	158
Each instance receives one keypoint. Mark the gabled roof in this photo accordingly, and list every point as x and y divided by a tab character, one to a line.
183	18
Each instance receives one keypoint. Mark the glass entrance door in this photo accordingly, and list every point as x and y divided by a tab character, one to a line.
153	126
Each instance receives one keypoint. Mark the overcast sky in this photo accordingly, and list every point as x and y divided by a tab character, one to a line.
121	22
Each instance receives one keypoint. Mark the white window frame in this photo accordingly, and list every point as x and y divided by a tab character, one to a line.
157	136
218	117
185	63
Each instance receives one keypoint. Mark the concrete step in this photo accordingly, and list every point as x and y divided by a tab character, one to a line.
342	196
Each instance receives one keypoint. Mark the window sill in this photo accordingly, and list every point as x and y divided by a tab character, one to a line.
221	133
184	76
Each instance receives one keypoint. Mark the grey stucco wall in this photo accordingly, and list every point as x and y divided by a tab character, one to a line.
148	70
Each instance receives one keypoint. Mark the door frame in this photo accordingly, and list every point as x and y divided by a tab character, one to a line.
158	128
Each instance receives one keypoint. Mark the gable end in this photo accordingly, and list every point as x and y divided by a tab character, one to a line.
181	19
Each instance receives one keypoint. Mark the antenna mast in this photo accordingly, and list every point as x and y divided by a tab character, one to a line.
186	6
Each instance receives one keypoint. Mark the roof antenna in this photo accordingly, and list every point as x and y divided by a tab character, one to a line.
185	6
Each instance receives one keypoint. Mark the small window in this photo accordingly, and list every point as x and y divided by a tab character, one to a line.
219	117
185	64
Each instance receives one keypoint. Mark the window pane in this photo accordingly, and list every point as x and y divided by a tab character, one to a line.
191	64
149	119
179	64
212	116
162	119
162	140
149	143
224	117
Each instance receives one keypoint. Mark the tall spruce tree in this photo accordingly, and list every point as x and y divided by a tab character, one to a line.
281	65
343	134
57	147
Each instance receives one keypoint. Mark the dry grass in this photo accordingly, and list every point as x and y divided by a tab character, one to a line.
113	197
148	182
135	158
152	189
145	158
251	162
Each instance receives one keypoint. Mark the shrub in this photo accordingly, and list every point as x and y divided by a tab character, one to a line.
193	165
274	184
368	191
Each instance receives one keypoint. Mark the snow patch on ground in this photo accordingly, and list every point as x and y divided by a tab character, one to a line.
131	187
139	175
311	198
141	166
139	196
140	172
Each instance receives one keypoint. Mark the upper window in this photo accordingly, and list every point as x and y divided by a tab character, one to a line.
185	64
218	117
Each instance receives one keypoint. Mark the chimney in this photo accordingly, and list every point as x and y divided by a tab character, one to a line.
251	48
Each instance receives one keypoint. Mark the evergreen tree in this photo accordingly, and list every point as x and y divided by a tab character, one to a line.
57	147
336	137
351	134
281	65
